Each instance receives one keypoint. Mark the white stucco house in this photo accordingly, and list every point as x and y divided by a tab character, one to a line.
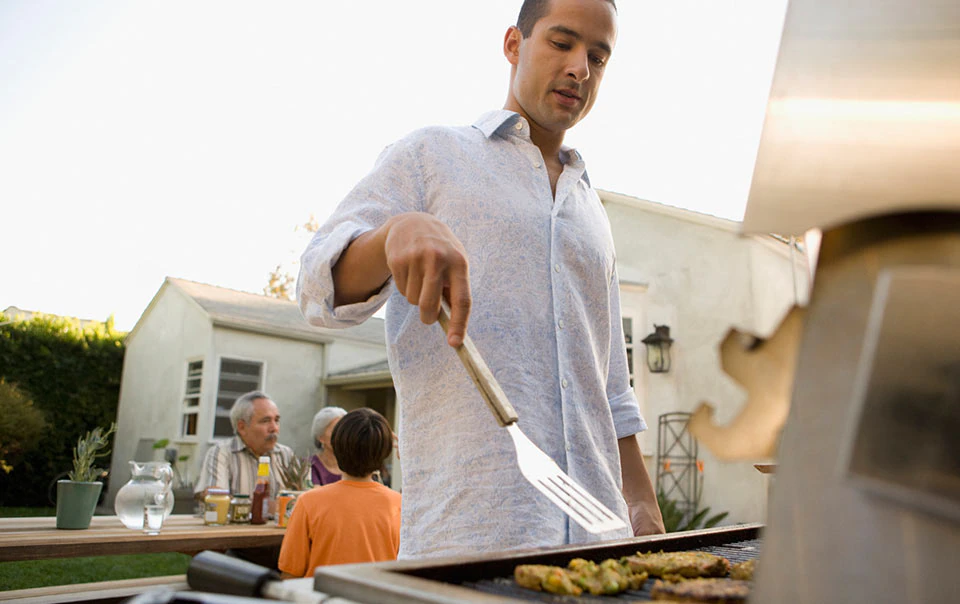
198	346
696	274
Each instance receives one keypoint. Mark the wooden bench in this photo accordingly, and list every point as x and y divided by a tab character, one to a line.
103	591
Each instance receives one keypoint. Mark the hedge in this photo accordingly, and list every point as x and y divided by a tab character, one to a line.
72	374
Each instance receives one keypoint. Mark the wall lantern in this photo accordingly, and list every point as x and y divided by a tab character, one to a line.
658	349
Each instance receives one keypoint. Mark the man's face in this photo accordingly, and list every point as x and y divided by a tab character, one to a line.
261	432
558	68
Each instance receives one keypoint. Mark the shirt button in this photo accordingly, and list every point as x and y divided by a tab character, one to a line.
536	164
569	448
563	382
518	125
556	268
560	323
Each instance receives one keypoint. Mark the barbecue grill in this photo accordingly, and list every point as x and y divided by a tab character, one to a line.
489	578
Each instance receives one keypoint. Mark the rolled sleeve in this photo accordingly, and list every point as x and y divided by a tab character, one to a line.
626	415
393	187
315	284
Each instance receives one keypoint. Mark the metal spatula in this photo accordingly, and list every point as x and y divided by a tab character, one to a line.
535	465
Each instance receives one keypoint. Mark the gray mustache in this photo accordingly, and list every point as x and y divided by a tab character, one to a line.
273	437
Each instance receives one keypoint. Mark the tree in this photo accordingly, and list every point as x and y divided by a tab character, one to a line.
280	282
21	425
71	371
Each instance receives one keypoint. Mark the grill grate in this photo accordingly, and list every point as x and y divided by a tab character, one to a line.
506	587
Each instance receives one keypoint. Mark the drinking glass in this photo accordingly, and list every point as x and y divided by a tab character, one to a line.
153	518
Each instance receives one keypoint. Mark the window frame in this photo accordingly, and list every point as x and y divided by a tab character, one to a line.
217	411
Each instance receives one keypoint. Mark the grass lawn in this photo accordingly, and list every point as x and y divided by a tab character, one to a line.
65	571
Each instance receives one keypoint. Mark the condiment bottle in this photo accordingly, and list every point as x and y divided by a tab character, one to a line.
216	507
261	493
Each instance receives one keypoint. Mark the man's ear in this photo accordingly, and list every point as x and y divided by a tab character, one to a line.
511	44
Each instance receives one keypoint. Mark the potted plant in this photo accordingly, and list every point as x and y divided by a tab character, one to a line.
77	497
295	476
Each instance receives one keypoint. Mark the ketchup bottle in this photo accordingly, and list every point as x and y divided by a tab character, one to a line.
261	493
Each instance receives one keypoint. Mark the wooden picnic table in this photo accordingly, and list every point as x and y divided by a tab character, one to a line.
39	538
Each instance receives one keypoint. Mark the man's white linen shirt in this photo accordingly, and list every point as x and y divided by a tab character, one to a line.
545	317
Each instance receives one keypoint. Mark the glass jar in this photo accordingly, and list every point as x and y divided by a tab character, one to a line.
151	484
240	509
216	507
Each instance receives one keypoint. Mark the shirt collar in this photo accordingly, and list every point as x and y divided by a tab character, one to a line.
237	444
500	120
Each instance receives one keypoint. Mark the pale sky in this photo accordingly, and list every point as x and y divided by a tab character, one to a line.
140	140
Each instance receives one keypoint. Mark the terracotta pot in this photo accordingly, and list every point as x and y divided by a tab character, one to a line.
76	502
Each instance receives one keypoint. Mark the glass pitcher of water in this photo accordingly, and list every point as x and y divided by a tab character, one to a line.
151	483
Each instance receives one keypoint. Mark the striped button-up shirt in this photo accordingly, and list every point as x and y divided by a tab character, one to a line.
230	464
545	316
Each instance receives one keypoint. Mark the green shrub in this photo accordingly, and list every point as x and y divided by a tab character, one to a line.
21	425
676	519
72	375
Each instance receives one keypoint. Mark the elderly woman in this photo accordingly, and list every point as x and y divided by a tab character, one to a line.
324	465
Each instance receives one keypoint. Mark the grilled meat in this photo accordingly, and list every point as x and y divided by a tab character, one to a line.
540	577
680	564
706	591
743	571
609	577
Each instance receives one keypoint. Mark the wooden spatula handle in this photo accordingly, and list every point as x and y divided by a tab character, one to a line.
482	378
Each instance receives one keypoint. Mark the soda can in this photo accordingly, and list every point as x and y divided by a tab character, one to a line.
285	502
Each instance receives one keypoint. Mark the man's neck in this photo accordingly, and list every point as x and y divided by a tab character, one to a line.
549	142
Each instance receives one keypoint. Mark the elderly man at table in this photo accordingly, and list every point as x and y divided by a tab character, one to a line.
232	464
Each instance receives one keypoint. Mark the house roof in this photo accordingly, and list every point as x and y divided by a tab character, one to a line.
372	375
672	211
774	241
267	315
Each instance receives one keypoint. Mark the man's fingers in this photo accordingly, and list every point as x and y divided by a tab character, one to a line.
459	297
414	285
429	301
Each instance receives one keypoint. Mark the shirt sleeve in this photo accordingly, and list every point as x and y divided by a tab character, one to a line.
627	419
394	186
295	549
215	471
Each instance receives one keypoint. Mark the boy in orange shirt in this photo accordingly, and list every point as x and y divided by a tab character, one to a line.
355	519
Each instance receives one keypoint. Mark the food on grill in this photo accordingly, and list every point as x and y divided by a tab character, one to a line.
708	591
676	565
609	577
540	577
743	571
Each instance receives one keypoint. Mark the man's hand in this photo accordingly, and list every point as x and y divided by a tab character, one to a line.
426	259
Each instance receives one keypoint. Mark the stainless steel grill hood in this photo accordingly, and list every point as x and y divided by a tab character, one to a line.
863	117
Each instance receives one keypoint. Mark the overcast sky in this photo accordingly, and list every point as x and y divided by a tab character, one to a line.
140	140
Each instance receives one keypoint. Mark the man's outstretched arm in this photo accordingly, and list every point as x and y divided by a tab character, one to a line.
424	257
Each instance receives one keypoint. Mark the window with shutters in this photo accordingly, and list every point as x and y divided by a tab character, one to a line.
237	377
190	409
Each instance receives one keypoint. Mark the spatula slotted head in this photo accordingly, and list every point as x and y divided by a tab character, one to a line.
544	474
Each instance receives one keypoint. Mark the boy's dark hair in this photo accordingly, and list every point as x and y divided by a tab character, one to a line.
361	441
533	10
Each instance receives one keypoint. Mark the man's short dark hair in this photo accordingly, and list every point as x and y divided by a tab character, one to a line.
361	441
533	10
